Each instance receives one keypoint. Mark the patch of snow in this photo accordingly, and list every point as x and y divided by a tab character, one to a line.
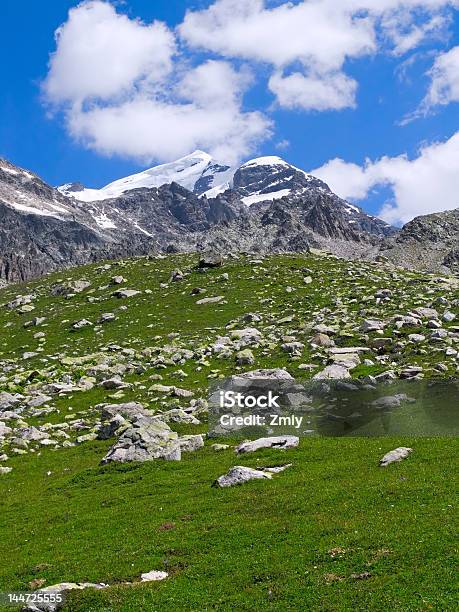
351	208
274	160
32	210
215	191
137	226
87	195
9	170
269	160
103	221
16	172
262	197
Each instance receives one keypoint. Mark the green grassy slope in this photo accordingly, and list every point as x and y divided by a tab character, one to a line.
298	542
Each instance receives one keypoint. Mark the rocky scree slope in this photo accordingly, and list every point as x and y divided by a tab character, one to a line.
144	337
110	363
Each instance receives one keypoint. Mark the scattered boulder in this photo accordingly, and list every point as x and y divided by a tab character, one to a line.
268	374
153	575
117	280
333	372
82	323
125	293
146	440
69	288
211	300
239	474
392	401
210	260
106	317
245	357
398	454
191	443
281	442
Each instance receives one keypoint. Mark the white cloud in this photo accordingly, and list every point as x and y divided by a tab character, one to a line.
320	35
318	31
428	183
407	35
144	129
121	93
333	91
444	87
101	54
282	145
214	83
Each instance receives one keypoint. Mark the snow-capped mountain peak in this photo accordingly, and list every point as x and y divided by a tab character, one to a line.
257	180
269	160
197	172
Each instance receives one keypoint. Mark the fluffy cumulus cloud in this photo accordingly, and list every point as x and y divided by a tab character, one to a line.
136	89
444	87
428	183
101	54
320	92
322	35
145	128
123	91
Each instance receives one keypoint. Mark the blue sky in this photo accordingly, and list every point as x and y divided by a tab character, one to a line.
318	108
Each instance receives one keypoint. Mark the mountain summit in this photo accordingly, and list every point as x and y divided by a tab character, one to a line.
197	172
257	180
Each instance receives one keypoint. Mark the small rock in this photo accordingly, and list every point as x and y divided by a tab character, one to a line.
211	300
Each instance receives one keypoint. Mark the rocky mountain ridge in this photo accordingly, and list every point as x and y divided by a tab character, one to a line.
265	205
429	242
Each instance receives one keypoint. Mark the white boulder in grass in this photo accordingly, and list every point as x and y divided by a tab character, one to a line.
282	442
153	575
239	474
398	454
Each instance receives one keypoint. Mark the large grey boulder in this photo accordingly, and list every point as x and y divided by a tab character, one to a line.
146	440
68	288
31	433
7	400
281	442
129	410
